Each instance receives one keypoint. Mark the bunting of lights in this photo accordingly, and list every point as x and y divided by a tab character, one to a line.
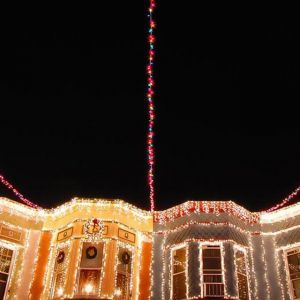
285	201
16	192
150	94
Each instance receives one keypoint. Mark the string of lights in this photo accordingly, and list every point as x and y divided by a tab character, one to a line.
150	94
285	201
151	124
8	185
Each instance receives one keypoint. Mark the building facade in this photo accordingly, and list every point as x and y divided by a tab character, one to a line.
101	249
85	249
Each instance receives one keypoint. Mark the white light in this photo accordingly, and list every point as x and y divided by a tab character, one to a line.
88	288
118	292
60	292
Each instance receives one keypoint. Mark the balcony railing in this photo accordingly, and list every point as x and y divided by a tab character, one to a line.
213	289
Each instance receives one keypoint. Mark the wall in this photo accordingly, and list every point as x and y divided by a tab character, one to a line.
41	233
37	235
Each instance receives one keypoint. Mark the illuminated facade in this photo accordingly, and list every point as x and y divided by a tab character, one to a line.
85	249
101	249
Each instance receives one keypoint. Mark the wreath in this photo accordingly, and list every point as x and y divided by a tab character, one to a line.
60	257
125	258
91	252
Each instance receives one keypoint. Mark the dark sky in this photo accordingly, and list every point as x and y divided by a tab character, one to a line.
74	112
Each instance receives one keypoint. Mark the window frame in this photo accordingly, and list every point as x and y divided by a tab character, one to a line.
212	245
178	247
290	281
237	248
79	268
12	264
131	248
62	246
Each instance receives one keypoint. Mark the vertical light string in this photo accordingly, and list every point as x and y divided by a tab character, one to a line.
8	185
150	94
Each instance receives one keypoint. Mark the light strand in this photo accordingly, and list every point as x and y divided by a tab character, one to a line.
150	94
285	201
8	185
205	207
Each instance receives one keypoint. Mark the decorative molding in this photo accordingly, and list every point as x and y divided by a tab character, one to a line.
126	235
65	234
11	234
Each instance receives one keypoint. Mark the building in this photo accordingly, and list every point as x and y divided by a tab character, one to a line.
83	249
102	249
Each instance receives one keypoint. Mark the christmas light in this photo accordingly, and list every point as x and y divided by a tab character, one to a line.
285	201
19	272
93	229
104	259
185	245
205	207
88	288
49	220
151	107
268	289
118	292
60	292
16	251
16	192
255	227
278	273
287	282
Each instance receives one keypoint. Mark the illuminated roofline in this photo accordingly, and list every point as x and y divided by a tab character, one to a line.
206	207
18	206
22	208
168	215
281	214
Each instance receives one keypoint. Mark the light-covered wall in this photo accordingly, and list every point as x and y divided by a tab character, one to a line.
263	236
280	231
193	236
38	235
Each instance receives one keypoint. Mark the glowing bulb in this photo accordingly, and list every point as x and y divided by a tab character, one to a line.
60	291
88	288
118	292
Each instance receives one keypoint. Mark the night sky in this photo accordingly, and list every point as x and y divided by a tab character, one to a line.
74	109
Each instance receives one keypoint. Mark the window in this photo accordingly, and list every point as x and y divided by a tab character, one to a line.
124	271
5	263
212	278
241	271
59	273
293	260
89	273
179	274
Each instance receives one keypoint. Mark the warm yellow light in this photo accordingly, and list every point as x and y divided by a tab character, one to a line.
88	288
